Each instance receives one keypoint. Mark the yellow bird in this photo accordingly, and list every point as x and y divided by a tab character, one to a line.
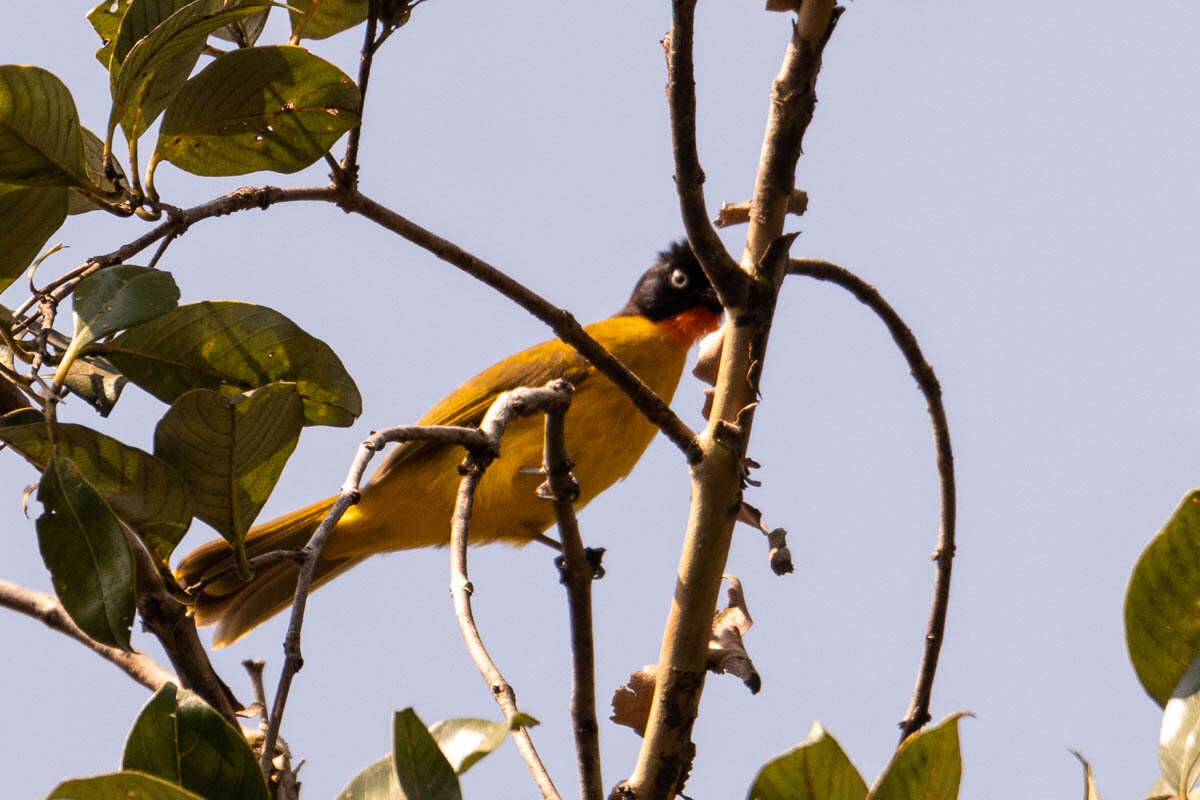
409	500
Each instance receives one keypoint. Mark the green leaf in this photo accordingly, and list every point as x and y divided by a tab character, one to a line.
244	32
40	135
139	488
318	19
93	152
274	108
1179	737
159	63
423	771
816	769
234	347
136	22
29	216
465	740
926	766
230	450
181	739
84	548
1162	603
97	382
120	297
120	786
376	782
107	22
1090	790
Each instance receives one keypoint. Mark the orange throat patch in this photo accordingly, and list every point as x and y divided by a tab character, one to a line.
687	327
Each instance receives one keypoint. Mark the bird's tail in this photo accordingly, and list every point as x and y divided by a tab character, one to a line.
237	606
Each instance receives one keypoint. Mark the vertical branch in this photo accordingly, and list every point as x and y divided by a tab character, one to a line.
577	574
346	174
666	751
721	269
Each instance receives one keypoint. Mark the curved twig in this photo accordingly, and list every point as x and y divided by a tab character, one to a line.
507	407
46	609
918	709
347	496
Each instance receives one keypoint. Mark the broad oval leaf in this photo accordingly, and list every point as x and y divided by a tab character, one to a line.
40	135
29	216
105	17
319	19
181	739
465	740
1162	603
159	63
1179	737
376	782
84	548
120	786
93	153
244	32
234	347
134	23
230	450
139	488
423	772
274	108
926	766
816	769
120	297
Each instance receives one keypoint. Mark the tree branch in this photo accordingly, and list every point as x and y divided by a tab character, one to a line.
666	751
508	406
577	573
918	709
46	609
347	496
722	271
169	621
346	175
561	322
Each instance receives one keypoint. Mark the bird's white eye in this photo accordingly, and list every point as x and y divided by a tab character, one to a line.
679	279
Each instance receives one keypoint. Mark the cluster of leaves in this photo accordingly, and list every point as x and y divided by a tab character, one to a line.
927	764
241	380
181	749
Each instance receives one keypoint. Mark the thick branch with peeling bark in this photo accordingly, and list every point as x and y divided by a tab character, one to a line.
716	480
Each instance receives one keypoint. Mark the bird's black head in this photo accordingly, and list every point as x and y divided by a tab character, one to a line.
674	284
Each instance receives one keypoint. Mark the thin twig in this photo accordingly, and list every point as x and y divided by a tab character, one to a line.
46	609
243	199
255	667
918	709
507	406
722	271
561	322
577	574
347	174
347	496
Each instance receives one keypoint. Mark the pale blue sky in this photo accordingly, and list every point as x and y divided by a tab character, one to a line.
1022	183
